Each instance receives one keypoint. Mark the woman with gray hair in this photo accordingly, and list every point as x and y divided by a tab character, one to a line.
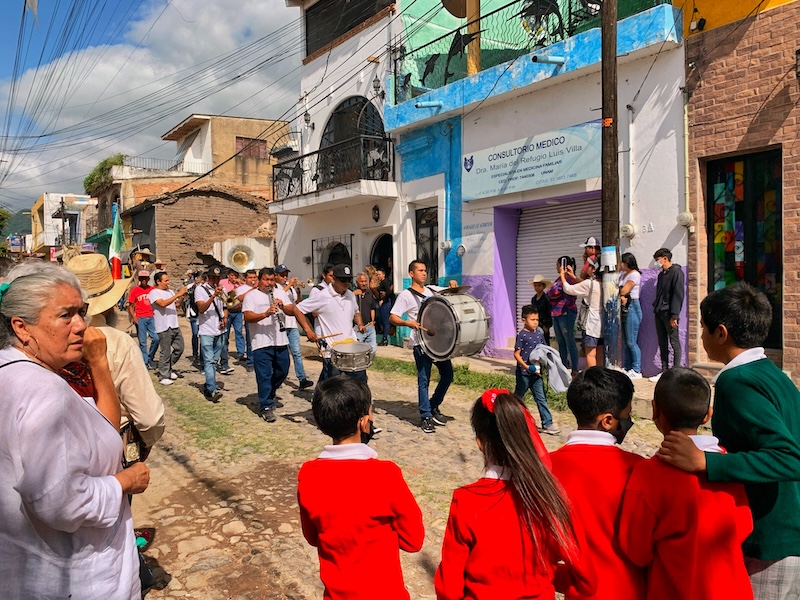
65	523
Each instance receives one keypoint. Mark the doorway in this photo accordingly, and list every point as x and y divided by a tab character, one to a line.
382	254
428	241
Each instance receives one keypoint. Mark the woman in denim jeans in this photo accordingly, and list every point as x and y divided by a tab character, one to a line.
564	313
629	288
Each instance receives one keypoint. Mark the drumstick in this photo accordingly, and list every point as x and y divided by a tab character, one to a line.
330	335
431	332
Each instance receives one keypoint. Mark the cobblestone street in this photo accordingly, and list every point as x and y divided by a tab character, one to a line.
223	502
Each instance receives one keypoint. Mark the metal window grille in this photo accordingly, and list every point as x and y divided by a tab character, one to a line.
337	248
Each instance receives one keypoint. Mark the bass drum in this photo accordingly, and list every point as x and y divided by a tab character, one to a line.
457	326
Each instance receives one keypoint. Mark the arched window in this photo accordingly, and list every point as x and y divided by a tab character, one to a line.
353	118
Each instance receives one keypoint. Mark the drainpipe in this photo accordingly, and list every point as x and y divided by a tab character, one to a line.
690	230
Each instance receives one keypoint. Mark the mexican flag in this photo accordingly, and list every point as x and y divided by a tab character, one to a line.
115	250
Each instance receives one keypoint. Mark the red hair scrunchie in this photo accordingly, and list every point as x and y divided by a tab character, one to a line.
489	396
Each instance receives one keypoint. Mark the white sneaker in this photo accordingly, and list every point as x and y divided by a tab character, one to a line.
173	376
634	374
166	382
655	378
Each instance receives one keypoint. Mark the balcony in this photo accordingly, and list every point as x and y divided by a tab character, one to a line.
99	223
165	164
359	169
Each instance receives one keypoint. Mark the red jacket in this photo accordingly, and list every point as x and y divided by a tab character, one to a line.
689	532
594	478
488	553
359	513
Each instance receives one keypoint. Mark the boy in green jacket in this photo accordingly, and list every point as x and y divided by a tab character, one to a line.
757	420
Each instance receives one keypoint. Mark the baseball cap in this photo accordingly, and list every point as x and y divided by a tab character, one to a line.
282	269
143	274
215	271
342	271
590	241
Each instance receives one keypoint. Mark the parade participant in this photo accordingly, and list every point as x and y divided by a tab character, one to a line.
212	320
385	301
67	530
667	306
191	314
686	531
757	420
336	309
507	532
325	280
170	338
141	313
235	320
263	311
593	470
290	286
366	307
250	283
356	510
408	302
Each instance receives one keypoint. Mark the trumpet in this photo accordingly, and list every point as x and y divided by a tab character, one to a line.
231	299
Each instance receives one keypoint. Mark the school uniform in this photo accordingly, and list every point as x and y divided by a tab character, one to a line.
687	531
488	553
593	471
359	513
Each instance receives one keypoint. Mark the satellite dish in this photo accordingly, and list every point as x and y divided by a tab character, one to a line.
457	8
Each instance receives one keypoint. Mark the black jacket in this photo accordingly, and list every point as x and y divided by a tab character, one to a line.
670	290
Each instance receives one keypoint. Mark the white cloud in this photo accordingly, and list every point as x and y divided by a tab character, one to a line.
187	33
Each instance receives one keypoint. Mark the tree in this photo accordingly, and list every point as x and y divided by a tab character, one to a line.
100	176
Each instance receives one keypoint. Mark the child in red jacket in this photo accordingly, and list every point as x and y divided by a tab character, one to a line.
356	510
686	530
593	470
507	531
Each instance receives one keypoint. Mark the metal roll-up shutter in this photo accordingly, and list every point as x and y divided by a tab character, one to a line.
547	232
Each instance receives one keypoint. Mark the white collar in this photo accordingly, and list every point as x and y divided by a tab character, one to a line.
590	437
348	452
707	443
748	356
495	472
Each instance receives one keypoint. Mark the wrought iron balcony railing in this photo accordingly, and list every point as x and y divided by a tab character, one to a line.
365	157
162	164
99	222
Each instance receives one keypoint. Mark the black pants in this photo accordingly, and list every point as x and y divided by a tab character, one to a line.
665	331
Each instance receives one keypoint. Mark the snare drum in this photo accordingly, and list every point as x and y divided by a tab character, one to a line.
459	324
351	356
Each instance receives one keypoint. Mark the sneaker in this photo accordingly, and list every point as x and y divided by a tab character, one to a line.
655	378
305	383
173	376
268	414
550	430
226	371
427	425
438	418
634	374
213	396
166	382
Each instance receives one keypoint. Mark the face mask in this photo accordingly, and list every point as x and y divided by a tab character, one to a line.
624	427
366	437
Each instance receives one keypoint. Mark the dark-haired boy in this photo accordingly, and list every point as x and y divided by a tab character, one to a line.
529	376
686	531
356	510
757	420
593	471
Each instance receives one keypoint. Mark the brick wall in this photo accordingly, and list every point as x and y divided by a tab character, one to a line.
188	225
745	98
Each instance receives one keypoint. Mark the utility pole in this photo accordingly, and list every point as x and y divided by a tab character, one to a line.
610	194
63	223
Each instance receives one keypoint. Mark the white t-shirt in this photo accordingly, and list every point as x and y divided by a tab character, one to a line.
266	333
335	313
408	303
294	298
636	278
164	317
208	322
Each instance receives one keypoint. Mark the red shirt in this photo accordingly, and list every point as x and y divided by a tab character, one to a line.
594	478
140	302
359	514
689	532
488	553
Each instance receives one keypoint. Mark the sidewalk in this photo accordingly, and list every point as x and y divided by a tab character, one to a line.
642	396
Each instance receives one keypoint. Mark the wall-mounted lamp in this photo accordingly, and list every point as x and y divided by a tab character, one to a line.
461	250
376	87
446	245
307	260
307	119
685	219
376	213
548	60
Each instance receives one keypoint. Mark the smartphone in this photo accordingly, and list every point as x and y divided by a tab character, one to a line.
564	263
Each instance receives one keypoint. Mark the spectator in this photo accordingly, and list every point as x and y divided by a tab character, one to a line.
590	293
629	289
564	312
542	304
591	249
667	308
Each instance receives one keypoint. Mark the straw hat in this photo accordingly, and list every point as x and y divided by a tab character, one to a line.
102	292
540	279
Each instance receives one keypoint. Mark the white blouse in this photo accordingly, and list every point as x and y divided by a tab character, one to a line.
594	324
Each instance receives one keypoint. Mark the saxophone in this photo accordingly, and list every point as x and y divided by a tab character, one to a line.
278	313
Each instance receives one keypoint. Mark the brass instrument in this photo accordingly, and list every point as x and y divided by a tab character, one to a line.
231	299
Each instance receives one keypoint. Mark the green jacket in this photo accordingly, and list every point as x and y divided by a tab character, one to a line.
757	420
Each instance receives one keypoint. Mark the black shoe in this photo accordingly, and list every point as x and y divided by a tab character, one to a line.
427	425
438	418
383	342
249	368
306	384
268	414
213	396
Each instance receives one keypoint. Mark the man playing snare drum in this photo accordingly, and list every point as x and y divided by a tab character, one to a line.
408	302
336	309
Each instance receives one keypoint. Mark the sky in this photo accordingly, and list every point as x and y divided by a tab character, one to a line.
100	77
